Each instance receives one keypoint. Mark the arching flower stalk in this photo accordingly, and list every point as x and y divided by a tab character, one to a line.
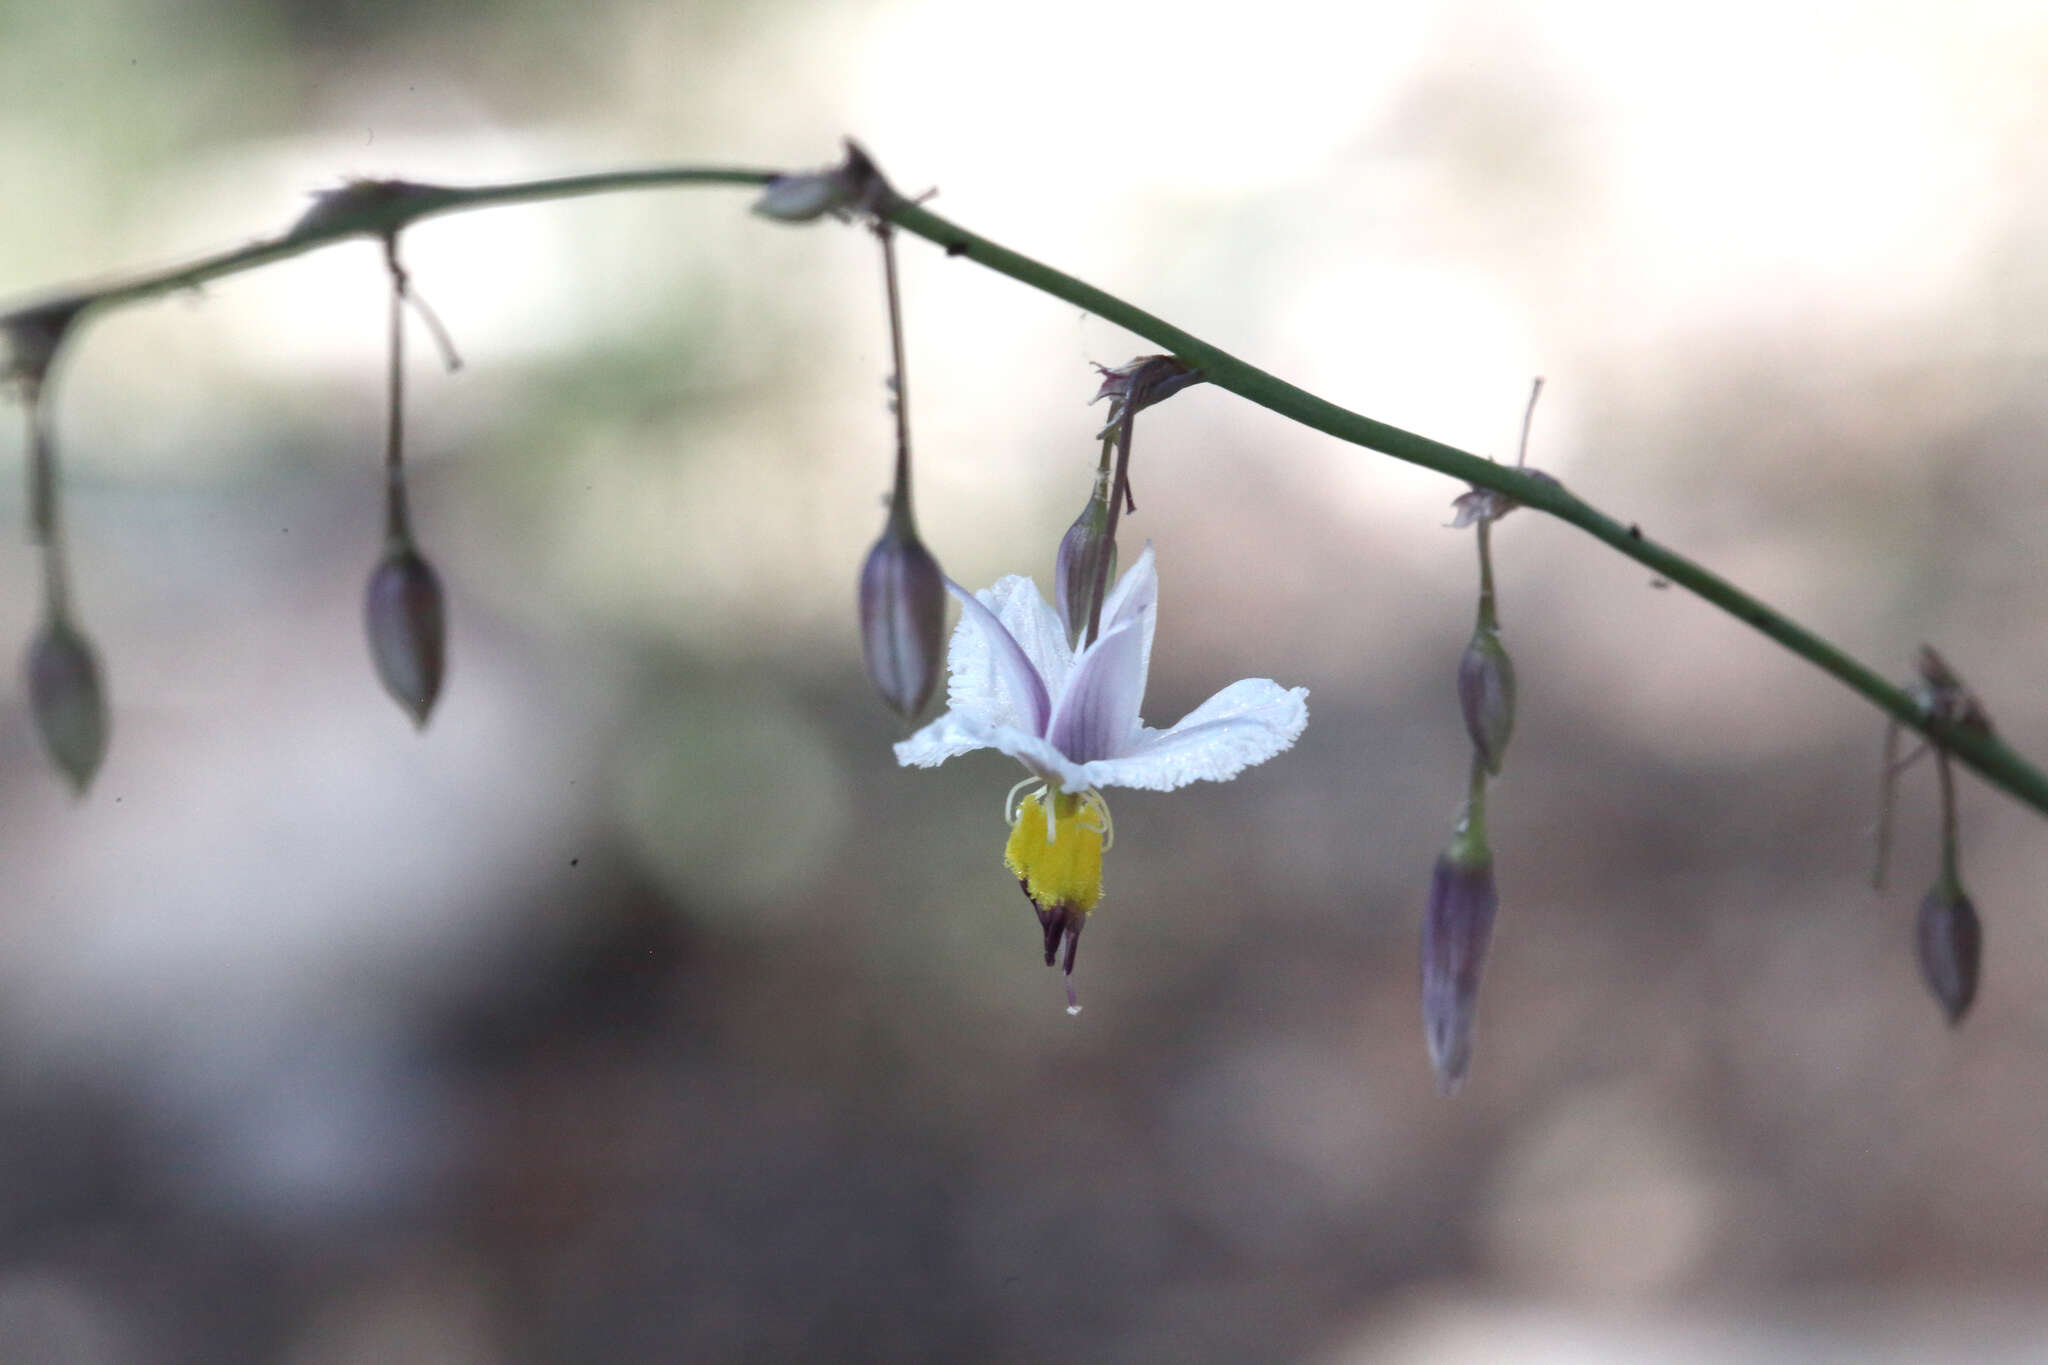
902	589
1947	935
1457	926
1072	720
404	610
1486	675
67	696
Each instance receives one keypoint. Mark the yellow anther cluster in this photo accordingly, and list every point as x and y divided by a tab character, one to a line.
1058	854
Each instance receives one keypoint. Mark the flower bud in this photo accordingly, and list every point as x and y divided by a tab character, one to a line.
408	630
1079	568
902	618
1455	935
1951	945
1486	694
69	705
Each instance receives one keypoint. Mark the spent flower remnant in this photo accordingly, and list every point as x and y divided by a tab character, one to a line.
1018	686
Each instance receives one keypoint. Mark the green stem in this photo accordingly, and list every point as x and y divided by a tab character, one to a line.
1984	753
1951	855
1468	845
373	215
378	214
45	528
397	521
1489	619
901	518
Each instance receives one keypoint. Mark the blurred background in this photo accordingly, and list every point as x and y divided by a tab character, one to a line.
642	1009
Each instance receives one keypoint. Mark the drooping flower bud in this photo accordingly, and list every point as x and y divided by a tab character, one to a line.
1486	694
69	704
408	629
902	617
1456	933
1951	944
1080	568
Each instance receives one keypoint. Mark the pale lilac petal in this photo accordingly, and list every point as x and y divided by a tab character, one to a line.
954	733
1135	598
947	737
993	681
1097	716
1136	591
1045	762
1036	628
1246	723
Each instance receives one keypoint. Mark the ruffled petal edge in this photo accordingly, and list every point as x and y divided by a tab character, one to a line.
1245	724
954	734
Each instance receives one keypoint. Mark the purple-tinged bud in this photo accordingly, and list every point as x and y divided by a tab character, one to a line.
1455	935
1486	694
408	630
69	704
1079	567
1951	946
902	618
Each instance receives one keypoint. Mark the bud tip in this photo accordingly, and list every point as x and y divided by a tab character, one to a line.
68	702
1951	944
1456	932
406	615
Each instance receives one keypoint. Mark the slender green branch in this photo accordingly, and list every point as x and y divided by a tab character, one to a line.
1983	752
378	208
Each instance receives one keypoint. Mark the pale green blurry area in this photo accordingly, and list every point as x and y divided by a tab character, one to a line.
642	1009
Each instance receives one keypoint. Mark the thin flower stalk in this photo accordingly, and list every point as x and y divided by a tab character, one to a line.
404	609
902	594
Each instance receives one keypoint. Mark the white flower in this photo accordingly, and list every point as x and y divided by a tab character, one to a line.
1017	687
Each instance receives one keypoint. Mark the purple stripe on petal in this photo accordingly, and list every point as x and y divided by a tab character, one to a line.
1098	713
1012	666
